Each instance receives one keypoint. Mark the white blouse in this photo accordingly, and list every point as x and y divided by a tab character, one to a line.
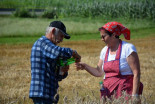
127	49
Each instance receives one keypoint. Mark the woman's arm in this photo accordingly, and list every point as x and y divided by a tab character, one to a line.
93	71
134	64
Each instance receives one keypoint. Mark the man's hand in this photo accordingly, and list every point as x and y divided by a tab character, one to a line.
76	56
65	68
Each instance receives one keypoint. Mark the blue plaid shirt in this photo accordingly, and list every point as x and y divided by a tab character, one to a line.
44	78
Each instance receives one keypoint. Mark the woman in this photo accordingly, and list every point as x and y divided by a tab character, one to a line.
119	61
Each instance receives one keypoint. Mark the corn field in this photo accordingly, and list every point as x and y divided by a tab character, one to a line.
128	9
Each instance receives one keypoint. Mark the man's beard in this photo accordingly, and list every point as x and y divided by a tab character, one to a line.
57	41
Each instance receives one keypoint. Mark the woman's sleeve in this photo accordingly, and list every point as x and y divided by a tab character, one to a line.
130	48
102	54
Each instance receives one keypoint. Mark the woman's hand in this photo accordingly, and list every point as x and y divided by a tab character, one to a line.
80	66
97	72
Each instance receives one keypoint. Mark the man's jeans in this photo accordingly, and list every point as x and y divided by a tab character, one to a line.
44	101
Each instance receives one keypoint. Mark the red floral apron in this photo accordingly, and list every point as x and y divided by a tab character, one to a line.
114	82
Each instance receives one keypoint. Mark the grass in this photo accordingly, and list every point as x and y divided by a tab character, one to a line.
27	30
15	72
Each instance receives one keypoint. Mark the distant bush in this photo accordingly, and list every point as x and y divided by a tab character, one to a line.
22	13
52	13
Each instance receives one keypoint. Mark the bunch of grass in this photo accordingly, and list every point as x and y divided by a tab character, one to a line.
90	98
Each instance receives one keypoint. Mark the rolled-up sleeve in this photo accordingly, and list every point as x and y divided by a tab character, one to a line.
52	51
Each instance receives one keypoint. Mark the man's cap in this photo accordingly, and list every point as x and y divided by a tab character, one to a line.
61	26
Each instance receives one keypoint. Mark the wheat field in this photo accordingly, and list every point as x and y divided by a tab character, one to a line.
79	85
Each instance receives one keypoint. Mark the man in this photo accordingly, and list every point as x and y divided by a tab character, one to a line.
44	71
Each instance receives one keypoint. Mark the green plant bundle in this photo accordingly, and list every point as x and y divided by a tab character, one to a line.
65	62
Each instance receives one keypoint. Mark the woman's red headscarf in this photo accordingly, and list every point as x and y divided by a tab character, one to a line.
117	29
